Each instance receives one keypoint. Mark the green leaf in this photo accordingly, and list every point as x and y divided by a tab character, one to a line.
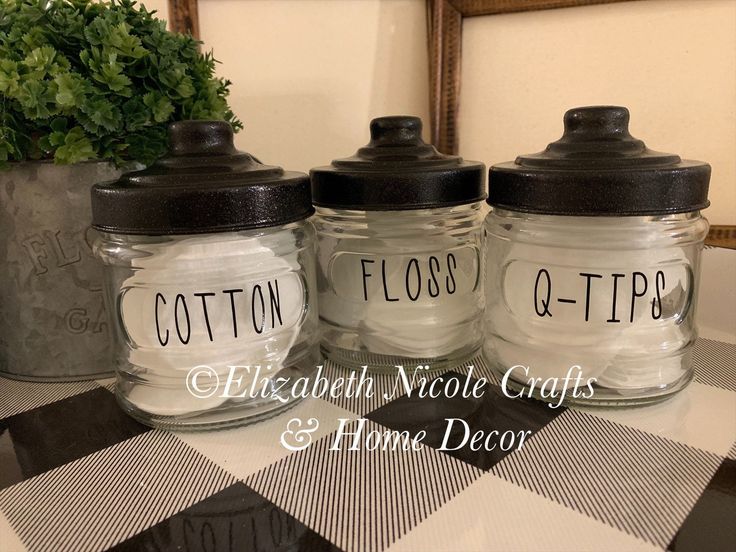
56	137
59	124
107	116
38	99
40	61
8	147
9	77
160	105
106	69
175	77
32	39
110	31
52	141
135	114
71	89
102	114
148	144
77	147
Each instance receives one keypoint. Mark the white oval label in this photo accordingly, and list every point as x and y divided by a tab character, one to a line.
182	315
407	278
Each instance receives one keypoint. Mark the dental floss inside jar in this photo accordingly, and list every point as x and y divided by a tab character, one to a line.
418	312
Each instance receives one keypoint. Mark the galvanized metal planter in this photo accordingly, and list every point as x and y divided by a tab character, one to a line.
53	325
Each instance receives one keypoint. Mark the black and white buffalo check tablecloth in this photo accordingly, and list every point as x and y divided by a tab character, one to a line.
78	474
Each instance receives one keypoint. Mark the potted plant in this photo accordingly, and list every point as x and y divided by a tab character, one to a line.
87	88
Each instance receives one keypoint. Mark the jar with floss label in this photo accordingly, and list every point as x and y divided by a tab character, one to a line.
593	259
210	281
399	252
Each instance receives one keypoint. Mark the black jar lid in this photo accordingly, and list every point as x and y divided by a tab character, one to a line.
203	185
397	170
598	169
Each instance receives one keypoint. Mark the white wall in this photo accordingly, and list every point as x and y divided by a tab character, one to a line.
671	62
160	6
309	75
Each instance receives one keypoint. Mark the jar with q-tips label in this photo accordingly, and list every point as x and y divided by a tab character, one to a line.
593	249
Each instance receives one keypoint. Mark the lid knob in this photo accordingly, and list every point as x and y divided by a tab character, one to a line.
396	131
597	131
201	138
603	122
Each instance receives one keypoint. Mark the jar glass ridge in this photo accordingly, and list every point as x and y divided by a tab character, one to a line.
210	302
400	287
614	295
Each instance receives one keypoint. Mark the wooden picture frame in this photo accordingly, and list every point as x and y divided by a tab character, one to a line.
444	35
184	17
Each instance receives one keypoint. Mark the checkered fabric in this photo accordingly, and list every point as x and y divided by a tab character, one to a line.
78	474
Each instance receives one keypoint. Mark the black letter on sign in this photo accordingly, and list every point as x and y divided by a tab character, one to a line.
451	277
164	341
657	303
366	275
545	302
588	277
232	293
204	311
385	284
434	266
613	301
257	289
275	303
415	264
181	301
634	293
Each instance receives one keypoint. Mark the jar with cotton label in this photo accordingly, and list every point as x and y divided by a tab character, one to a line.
593	250
399	252
210	282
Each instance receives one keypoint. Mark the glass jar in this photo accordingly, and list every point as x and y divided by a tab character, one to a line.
399	253
213	310
593	251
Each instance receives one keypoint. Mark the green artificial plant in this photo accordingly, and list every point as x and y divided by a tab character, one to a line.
83	79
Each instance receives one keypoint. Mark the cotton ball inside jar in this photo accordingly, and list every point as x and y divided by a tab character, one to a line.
408	332
548	353
186	263
651	354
